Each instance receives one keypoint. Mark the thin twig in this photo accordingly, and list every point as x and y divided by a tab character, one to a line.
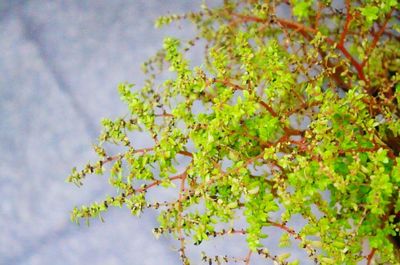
247	258
370	256
346	25
376	39
305	30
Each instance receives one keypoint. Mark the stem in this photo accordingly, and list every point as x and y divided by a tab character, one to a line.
158	182
305	30
376	39
237	87
116	157
247	258
295	235
346	25
180	232
370	256
318	15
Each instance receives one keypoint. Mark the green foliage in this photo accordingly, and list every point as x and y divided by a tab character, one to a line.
297	118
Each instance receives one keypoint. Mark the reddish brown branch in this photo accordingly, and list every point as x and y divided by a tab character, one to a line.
164	115
268	108
116	157
185	153
228	232
158	182
180	222
247	258
376	39
288	131
357	66
297	26
287	229
346	25
318	15
237	87
138	151
305	30
370	256
295	235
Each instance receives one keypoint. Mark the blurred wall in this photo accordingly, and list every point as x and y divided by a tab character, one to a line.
60	63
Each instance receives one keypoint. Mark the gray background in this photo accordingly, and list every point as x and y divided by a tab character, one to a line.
60	63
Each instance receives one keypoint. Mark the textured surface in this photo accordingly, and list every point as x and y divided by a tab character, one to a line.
60	62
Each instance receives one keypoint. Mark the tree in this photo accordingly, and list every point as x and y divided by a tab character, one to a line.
297	111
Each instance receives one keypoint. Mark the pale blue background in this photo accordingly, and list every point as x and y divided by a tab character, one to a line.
60	63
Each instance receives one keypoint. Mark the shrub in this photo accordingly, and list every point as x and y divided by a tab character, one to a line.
293	111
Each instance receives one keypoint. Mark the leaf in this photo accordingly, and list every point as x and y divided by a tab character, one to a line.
370	13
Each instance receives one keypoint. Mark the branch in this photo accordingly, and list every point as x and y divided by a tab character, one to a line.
318	15
237	87
295	235
158	182
370	256
247	258
164	115
305	30
143	150
357	66
287	130
376	39
180	210
227	232
346	25
116	157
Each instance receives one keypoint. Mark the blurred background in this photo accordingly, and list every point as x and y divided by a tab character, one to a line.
60	63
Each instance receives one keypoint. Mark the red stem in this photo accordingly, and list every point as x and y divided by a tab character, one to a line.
287	229
237	87
304	30
346	25
370	256
376	39
158	182
359	68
